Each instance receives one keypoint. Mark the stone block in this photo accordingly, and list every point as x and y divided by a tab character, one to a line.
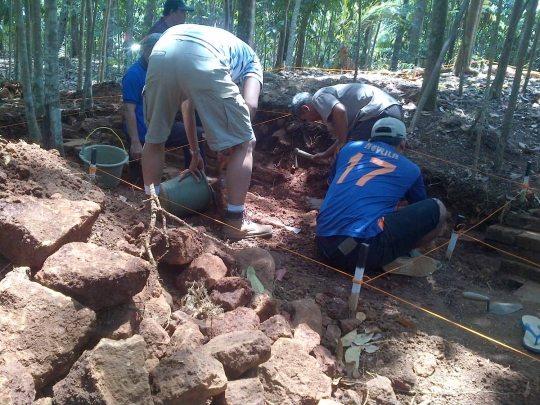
523	220
529	241
41	329
32	229
520	269
503	234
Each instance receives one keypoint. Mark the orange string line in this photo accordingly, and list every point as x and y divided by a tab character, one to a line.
369	280
467	167
434	314
446	243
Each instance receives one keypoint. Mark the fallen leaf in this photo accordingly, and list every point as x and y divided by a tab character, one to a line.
349	338
515	176
353	355
348	382
370	348
372	329
406	323
336	381
522	145
280	274
527	390
363	338
400	385
255	282
339	351
361	316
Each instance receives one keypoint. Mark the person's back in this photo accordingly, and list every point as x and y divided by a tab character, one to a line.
367	182
235	53
362	101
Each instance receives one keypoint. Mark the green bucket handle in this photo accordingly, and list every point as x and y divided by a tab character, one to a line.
90	134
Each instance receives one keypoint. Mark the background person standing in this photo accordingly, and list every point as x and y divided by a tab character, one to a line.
174	13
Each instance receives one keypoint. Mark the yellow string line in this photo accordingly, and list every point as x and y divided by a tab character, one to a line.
503	251
434	314
369	280
446	243
479	171
522	185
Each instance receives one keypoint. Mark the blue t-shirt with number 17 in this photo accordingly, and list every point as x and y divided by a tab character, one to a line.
366	183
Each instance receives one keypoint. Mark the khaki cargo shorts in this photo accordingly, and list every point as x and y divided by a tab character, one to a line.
180	70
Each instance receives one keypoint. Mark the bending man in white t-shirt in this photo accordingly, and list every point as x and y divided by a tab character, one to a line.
196	67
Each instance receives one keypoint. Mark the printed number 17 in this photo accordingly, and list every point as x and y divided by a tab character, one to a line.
353	161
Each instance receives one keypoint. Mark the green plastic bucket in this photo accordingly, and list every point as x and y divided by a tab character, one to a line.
110	161
185	197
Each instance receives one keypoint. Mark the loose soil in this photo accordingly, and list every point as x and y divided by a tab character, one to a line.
472	357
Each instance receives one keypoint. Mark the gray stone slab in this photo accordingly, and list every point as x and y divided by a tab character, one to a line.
530	291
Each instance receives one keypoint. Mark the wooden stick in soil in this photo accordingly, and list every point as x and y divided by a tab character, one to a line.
153	279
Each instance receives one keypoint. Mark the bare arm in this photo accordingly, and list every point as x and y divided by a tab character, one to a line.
251	92
340	125
130	118
188	114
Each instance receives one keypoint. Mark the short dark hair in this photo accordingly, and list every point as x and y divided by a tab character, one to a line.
149	41
298	101
173	5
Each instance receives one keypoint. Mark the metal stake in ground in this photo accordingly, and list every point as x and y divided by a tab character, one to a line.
460	223
358	276
525	184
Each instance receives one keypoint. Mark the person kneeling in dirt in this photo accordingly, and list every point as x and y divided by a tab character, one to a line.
196	67
349	111
367	182
134	125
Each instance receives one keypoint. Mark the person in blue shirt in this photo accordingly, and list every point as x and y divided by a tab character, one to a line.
132	87
367	183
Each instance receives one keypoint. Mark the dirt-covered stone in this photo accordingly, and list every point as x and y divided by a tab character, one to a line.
184	245
112	373
41	329
95	276
231	292
293	376
206	269
32	229
188	377
239	351
16	384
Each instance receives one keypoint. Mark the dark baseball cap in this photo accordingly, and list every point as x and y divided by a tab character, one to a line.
173	5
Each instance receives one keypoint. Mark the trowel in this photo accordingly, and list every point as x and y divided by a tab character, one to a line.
499	308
